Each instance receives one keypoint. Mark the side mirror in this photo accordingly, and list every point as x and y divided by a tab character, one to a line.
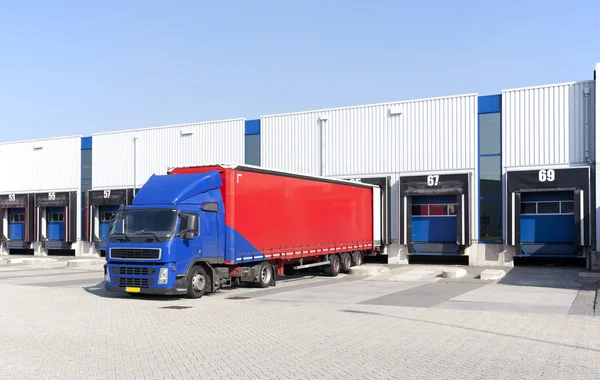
190	228
210	207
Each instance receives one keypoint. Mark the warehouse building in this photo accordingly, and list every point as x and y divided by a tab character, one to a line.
39	195
486	178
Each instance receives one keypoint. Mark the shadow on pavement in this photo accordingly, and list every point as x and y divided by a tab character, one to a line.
98	291
547	277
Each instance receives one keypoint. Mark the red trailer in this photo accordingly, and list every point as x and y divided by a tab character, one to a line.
293	220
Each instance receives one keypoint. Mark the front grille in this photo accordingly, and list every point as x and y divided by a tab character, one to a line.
134	271
135	253
139	282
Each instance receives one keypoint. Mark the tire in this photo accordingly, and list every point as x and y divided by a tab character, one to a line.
265	275
333	269
345	262
357	259
196	279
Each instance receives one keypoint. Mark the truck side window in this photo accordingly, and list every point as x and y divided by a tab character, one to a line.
183	223
184	220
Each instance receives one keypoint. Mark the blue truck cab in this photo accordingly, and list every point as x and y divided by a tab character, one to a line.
170	241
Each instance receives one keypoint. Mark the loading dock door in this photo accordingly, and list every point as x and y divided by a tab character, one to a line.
549	211
16	220
55	217
434	224
546	223
102	204
106	214
16	224
434	213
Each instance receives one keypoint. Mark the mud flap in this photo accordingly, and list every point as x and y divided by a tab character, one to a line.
274	277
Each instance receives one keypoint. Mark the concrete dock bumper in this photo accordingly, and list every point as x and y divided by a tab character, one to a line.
454	273
368	270
492	274
589	277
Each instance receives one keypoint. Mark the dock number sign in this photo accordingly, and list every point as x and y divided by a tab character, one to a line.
106	194
433	180
51	196
546	175
12	198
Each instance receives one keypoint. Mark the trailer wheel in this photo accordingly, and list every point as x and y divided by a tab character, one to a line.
265	275
333	269
346	262
198	282
357	259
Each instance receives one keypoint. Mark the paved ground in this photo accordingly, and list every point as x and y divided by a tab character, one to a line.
56	322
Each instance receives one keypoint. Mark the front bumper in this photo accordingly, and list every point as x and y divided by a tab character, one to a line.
156	291
142	279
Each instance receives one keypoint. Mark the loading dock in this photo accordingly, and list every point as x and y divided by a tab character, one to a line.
56	219
102	205
548	212
16	229
434	214
383	204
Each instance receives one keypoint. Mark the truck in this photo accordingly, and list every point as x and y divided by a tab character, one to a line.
198	229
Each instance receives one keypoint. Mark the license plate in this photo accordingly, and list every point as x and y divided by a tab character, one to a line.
132	290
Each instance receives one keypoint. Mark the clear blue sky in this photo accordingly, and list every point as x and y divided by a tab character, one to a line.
79	67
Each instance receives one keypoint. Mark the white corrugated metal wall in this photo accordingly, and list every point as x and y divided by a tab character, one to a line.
419	136
41	165
159	148
429	134
546	125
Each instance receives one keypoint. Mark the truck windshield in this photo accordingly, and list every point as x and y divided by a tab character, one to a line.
133	223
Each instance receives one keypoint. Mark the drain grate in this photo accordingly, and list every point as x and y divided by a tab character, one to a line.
176	307
238	298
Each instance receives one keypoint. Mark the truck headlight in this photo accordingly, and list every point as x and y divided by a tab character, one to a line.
163	276
106	274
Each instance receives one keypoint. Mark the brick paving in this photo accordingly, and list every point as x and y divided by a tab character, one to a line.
59	324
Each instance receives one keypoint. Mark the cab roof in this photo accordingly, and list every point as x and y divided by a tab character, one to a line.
172	189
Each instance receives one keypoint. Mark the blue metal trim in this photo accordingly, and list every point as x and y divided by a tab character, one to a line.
86	143
252	127
490	197
86	179
489	104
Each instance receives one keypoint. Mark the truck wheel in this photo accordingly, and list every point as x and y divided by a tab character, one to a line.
333	269
346	262
198	282
265	275
357	259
